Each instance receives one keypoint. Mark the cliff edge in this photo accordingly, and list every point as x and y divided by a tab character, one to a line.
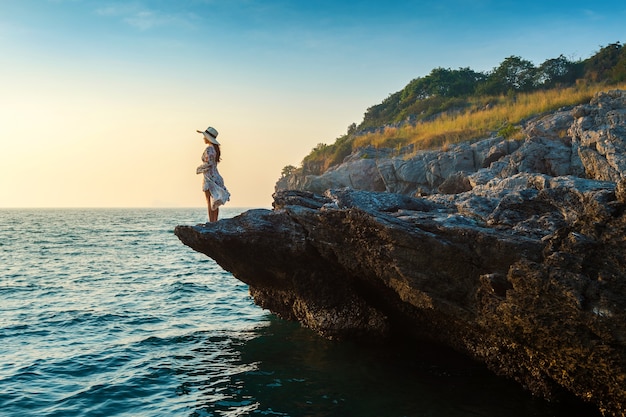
511	253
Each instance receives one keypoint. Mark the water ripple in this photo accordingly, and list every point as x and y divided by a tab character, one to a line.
106	313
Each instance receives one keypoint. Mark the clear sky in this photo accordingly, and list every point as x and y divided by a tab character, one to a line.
100	99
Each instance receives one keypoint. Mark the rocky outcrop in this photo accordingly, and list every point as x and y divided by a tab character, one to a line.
584	141
519	261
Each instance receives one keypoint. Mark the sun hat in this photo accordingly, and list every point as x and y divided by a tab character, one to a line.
210	134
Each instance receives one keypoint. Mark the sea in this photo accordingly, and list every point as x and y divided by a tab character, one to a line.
104	312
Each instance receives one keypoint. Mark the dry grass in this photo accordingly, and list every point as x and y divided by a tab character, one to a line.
479	120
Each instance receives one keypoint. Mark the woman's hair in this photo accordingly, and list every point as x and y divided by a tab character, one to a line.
218	153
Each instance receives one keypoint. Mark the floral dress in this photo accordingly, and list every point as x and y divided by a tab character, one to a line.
213	181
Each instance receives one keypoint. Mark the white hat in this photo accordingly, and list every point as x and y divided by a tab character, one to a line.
210	134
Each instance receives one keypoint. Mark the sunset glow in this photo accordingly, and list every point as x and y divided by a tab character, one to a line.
101	100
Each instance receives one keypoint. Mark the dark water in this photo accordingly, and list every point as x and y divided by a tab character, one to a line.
106	313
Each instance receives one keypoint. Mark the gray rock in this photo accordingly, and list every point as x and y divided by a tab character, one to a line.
518	263
586	141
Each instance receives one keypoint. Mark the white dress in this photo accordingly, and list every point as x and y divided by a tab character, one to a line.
212	181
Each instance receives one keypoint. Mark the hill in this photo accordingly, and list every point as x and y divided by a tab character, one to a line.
451	106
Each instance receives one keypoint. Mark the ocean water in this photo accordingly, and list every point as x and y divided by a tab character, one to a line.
103	312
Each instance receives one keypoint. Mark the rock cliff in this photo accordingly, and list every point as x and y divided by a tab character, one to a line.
513	253
586	141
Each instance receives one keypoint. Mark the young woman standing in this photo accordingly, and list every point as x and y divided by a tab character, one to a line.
213	183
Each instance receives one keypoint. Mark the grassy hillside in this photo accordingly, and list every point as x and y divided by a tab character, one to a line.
480	117
451	106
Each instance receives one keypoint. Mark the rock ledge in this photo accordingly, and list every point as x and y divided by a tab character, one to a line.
522	266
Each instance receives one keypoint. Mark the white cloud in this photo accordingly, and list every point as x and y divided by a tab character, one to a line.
116	10
146	19
143	18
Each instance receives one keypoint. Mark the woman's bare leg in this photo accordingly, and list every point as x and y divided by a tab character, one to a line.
215	213
208	202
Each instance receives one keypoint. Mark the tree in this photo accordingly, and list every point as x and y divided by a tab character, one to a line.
600	66
380	114
557	71
442	82
513	74
618	73
287	171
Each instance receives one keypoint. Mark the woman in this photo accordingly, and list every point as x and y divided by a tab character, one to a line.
213	183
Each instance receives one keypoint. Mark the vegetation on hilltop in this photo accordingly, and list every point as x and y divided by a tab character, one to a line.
450	106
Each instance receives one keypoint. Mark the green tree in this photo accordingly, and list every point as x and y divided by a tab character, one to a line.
381	114
558	72
441	82
618	73
513	74
287	171
600	67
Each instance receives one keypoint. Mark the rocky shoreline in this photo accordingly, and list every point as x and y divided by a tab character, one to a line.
511	252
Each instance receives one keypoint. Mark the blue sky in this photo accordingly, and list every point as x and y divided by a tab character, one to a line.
127	83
